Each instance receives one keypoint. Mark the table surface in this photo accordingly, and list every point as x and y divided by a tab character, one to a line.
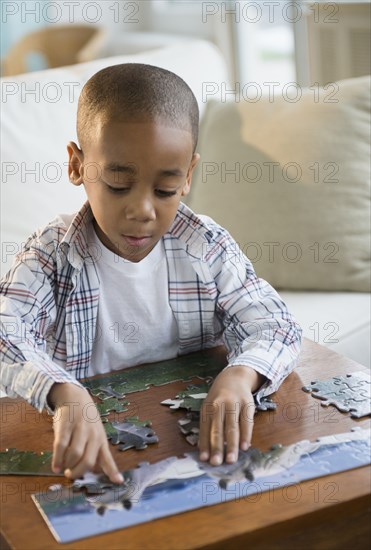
327	512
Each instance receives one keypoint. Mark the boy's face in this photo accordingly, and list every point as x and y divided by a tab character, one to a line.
134	174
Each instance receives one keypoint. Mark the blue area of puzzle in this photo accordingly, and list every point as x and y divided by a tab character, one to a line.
176	496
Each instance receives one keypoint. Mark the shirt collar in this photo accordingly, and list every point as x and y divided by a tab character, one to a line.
187	227
74	244
191	229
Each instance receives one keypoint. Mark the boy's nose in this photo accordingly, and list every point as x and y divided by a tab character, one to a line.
141	210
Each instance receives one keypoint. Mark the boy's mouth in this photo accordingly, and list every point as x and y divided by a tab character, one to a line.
137	241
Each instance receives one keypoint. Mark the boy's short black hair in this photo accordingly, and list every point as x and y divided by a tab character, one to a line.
135	91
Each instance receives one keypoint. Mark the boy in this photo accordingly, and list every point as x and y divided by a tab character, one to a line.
137	277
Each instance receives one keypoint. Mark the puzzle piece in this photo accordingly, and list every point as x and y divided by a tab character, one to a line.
111	432
189	425
265	404
107	391
94	484
111	404
192	402
183	367
135	420
131	435
195	389
191	398
350	393
14	462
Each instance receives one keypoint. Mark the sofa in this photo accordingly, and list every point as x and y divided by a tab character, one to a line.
289	179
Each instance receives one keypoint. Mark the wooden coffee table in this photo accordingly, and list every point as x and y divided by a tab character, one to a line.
328	512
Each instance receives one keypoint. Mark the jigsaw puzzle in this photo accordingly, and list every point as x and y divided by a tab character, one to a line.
350	393
174	485
183	367
14	462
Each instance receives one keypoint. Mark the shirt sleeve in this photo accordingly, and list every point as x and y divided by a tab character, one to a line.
259	331
27	320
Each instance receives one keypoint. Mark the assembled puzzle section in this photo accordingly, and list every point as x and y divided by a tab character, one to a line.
350	393
14	462
183	367
127	434
94	505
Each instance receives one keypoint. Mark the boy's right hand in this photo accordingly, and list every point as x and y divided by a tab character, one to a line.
80	442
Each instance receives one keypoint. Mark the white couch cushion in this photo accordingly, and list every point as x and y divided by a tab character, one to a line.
338	320
38	119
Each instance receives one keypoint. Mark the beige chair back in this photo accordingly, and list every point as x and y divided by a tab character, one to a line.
59	45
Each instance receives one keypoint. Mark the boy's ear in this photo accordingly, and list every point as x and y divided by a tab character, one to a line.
75	163
187	186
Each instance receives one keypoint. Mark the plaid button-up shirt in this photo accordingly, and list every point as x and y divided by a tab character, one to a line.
50	296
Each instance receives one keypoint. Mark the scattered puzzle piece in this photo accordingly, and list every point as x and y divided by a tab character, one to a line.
350	393
265	404
130	435
195	389
111	432
192	402
109	429
135	420
139	438
14	462
107	391
111	404
191	398
189	425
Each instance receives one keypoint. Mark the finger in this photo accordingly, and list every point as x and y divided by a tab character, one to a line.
62	437
206	413
108	465
77	449
217	435
232	431
86	462
246	424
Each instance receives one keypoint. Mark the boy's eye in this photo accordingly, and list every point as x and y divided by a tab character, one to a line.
117	189
161	193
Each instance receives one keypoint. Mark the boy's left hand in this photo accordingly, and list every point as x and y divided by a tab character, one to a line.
227	414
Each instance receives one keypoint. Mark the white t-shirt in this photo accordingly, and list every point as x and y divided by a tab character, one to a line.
135	322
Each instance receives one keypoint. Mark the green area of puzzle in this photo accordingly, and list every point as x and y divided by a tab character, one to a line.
156	374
